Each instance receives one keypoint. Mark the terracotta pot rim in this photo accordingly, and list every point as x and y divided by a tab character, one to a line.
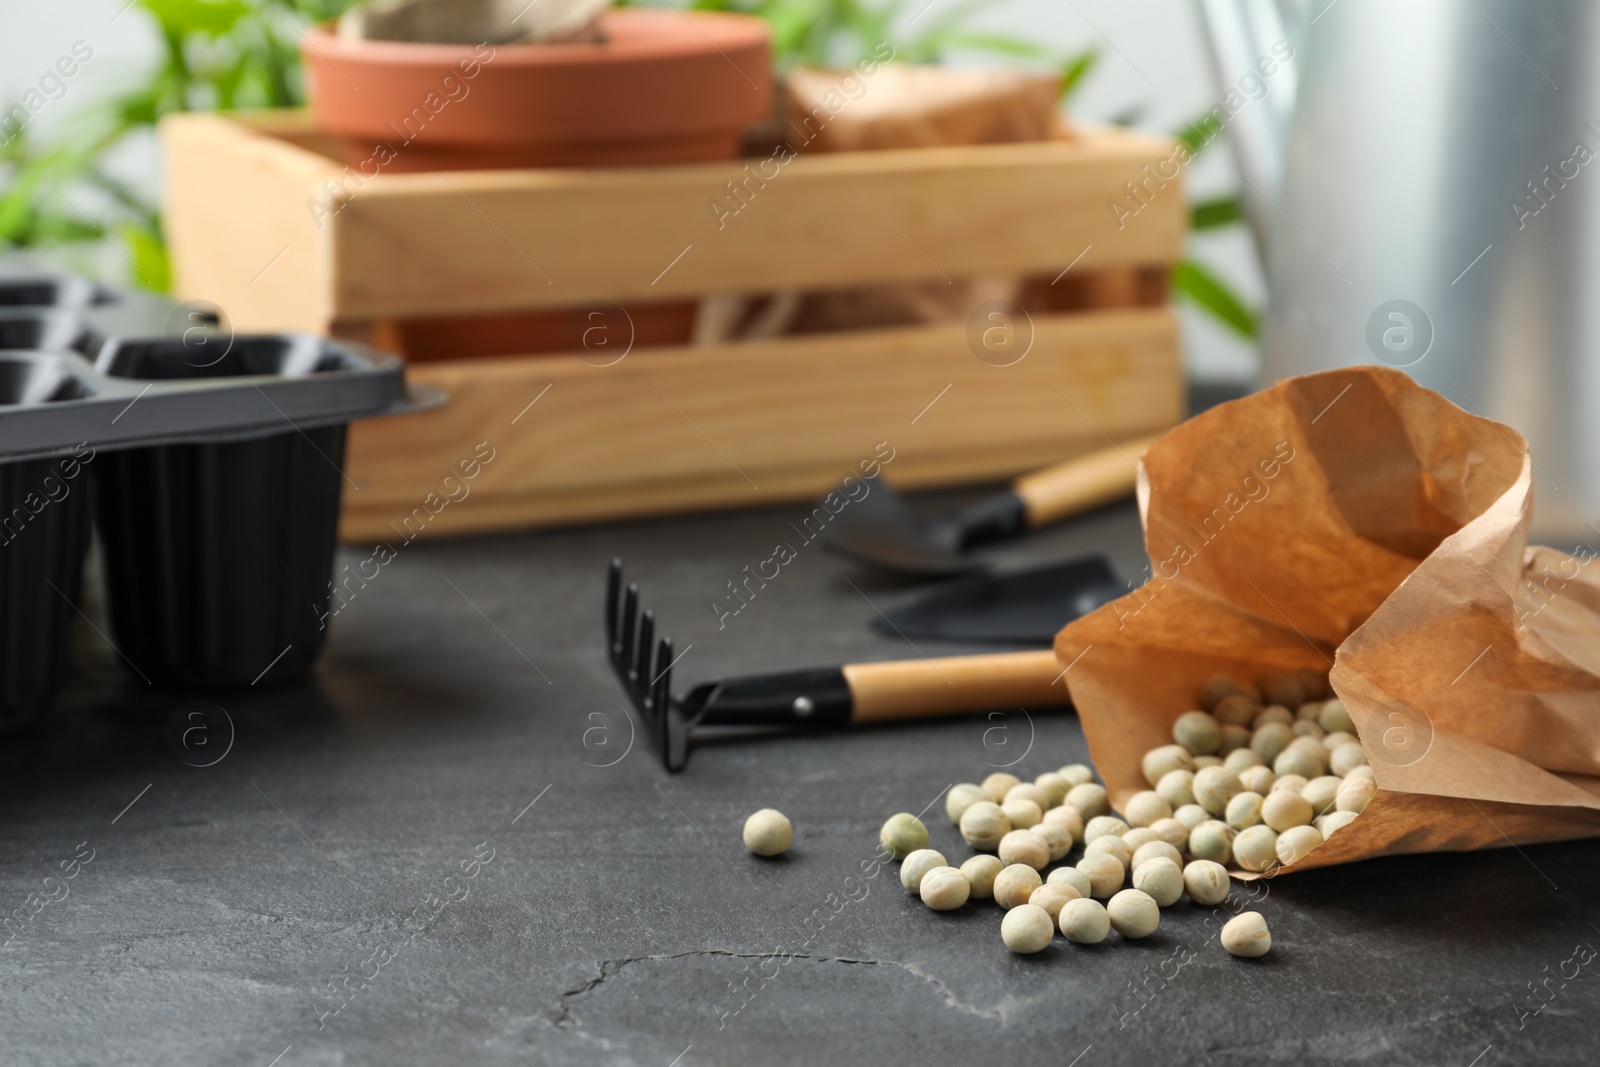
639	34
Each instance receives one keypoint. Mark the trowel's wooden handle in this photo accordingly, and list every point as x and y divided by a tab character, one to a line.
913	688
1088	481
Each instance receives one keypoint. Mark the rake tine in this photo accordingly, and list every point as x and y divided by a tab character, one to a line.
629	633
641	659
613	593
659	702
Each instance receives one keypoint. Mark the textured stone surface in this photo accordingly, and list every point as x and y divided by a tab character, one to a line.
619	918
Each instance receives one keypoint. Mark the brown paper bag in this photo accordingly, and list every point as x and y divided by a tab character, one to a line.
1355	520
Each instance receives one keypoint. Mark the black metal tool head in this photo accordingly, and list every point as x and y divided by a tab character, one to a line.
877	531
643	663
1025	607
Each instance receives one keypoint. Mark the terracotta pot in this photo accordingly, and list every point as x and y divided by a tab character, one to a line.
664	87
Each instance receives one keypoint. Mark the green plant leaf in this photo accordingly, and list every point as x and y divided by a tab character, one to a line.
1197	133
1218	211
149	255
1076	69
1214	296
210	17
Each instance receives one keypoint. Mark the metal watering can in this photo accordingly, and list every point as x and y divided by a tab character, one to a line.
1423	178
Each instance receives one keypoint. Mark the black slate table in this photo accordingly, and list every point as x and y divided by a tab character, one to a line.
445	851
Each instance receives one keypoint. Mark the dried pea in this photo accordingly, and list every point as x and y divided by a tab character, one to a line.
1077	773
1070	876
944	889
1138	836
1057	837
1215	689
1090	799
1191	815
1289	783
1321	793
1236	710
1269	740
1027	928
1024	846
1296	842
1285	689
1197	732
1110	845
1104	826
918	864
1014	884
1133	913
1283	809
960	798
1355	794
1346	758
1161	879
998	784
1144	808
1084	921
1067	817
1242	759
1214	787
1158	761
1246	935
1244	810
1335	716
1052	896
1176	788
1298	760
983	825
1257	779
1054	786
1206	882
1212	840
1234	738
1152	851
768	832
1273	713
980	872
1105	874
1256	849
1022	813
1028	791
1171	831
902	834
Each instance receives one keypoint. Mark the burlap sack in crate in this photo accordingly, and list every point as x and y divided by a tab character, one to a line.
1355	520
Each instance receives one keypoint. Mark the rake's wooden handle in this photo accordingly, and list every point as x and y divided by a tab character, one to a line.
1052	494
907	689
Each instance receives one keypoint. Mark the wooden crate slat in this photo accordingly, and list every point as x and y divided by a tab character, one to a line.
419	244
758	424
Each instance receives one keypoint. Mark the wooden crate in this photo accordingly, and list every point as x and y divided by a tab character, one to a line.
670	429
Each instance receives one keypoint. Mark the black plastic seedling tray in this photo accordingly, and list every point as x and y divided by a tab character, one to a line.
216	463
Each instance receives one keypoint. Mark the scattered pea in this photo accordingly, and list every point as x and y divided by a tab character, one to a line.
1110	845
1207	882
1275	713
1202	762
1176	788
1022	814
1056	837
1320	792
1363	771
1161	879
1269	740
1090	799
1339	737
1015	884
1158	761
1105	874
1285	688
1028	791
918	864
1070	876
944	889
1191	815
1077	773
903	834
1052	896
1197	732
960	798
1297	761
1104	826
1212	840
1054	786
1335	820
980	872
1067	817
1355	794
1027	928
1283	809
1289	783
1146	807
1257	779
1242	759
1294	843
998	784
1347	757
1237	709
1214	787
1244	810
1155	850
1256	849
1335	716
768	833
983	825
1024	846
1246	935
1215	689
1234	738
1171	831
1084	921
1133	913
1139	835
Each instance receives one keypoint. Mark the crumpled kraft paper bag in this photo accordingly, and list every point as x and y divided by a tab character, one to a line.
1356	521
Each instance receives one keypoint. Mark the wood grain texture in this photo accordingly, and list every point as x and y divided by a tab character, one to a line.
1085	482
760	423
420	244
237	226
908	689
